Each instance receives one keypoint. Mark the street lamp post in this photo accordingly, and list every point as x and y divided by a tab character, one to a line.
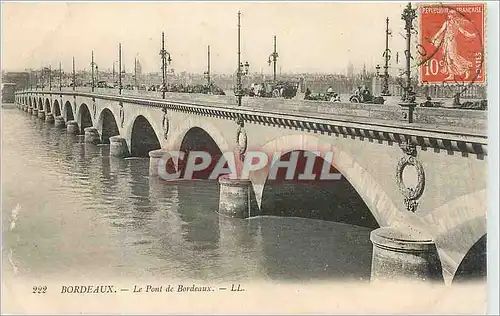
50	77
74	75
165	58
387	55
92	65
97	75
207	73
240	71
120	68
135	72
60	77
408	99
273	58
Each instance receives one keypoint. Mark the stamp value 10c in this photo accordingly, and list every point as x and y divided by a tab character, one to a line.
452	43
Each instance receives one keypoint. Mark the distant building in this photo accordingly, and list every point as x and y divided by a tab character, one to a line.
21	79
350	70
138	67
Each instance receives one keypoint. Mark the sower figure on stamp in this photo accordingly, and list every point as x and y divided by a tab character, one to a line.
455	63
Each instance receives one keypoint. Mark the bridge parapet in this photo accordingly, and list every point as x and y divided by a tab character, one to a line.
444	128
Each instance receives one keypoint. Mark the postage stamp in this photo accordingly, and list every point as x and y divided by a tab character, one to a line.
452	43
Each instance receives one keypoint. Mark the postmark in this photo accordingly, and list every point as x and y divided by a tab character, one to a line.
451	44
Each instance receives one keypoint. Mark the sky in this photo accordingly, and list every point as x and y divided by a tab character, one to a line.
311	37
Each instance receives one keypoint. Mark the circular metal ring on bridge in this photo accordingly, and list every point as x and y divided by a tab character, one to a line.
410	193
241	140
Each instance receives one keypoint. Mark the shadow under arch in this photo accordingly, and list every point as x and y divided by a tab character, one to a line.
197	139
57	109
107	125
143	138
40	104
333	200
474	265
84	117
47	106
371	192
68	111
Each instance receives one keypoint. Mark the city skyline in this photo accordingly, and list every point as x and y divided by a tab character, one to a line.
312	37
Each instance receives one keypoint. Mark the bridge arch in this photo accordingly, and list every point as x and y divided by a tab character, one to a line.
143	137
84	118
56	109
197	139
457	228
107	126
196	133
33	102
40	104
47	106
177	136
68	112
369	190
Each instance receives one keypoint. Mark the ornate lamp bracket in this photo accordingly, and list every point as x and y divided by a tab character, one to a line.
165	123
94	107
411	195
241	137
122	114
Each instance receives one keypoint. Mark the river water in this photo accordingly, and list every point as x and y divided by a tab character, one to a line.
71	210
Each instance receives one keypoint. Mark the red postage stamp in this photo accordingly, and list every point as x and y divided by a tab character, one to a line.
451	47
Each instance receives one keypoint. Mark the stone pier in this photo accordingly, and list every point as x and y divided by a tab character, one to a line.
154	160
59	122
49	118
118	147
404	255
30	110
41	115
237	198
92	135
35	112
72	127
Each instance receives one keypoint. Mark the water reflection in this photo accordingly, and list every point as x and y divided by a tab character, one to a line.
305	252
86	213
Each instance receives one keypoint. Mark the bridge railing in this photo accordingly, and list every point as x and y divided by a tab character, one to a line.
442	118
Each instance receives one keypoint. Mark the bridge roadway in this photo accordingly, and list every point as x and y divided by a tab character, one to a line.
424	182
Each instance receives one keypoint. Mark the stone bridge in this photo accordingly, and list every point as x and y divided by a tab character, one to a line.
421	185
